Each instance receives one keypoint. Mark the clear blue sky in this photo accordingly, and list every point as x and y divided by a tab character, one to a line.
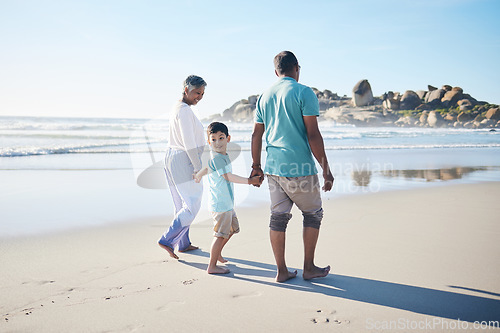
121	58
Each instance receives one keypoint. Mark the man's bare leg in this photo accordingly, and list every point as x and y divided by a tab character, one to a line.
169	250
311	271
278	245
215	253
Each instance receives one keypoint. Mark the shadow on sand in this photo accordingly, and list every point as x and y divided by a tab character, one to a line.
421	300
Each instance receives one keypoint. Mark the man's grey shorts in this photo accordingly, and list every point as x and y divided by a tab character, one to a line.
302	191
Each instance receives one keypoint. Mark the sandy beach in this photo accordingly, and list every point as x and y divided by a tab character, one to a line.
423	259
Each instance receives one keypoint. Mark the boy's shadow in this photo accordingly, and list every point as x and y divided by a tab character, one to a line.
433	302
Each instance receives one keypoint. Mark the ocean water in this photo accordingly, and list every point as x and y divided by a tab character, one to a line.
65	173
27	136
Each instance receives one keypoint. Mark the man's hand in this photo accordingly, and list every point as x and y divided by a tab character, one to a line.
328	177
255	180
259	174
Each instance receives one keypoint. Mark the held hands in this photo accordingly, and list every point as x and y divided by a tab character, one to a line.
199	175
255	181
258	174
328	177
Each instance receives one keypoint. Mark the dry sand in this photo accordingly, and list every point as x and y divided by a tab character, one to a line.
423	259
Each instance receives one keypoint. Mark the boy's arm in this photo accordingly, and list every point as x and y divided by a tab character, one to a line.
318	149
197	176
241	180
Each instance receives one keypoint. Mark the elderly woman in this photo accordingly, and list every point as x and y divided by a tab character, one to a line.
182	161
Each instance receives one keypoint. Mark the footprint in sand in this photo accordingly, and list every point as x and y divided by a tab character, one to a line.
170	305
188	282
253	294
39	283
328	317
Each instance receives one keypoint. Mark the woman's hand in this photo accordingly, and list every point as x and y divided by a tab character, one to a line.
199	175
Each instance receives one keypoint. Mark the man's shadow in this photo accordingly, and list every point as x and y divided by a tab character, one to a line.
421	300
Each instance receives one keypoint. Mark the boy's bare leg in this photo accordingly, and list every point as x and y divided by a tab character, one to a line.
221	259
215	253
310	237
278	245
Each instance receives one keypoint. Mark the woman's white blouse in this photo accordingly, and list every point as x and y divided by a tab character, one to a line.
186	133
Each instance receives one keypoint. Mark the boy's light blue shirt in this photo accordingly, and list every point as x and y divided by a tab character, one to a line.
281	109
221	190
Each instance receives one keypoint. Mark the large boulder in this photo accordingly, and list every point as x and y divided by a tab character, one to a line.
464	117
243	112
479	118
451	97
488	122
435	119
410	100
391	101
423	107
330	95
406	121
470	98
253	99
362	93
423	118
465	105
325	104
493	113
434	97
421	94
450	117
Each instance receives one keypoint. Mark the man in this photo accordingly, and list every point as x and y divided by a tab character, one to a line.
287	114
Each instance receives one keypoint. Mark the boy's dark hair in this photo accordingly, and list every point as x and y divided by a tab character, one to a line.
217	127
284	62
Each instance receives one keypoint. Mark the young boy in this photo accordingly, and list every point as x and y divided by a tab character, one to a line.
221	179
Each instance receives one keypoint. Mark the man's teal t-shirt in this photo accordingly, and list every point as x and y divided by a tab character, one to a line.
221	190
281	109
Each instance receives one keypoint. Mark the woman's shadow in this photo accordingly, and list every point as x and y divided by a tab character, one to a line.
421	300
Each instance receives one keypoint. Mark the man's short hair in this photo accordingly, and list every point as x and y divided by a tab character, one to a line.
217	127
284	62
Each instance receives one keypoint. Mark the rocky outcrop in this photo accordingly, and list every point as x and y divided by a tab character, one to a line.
445	107
362	94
